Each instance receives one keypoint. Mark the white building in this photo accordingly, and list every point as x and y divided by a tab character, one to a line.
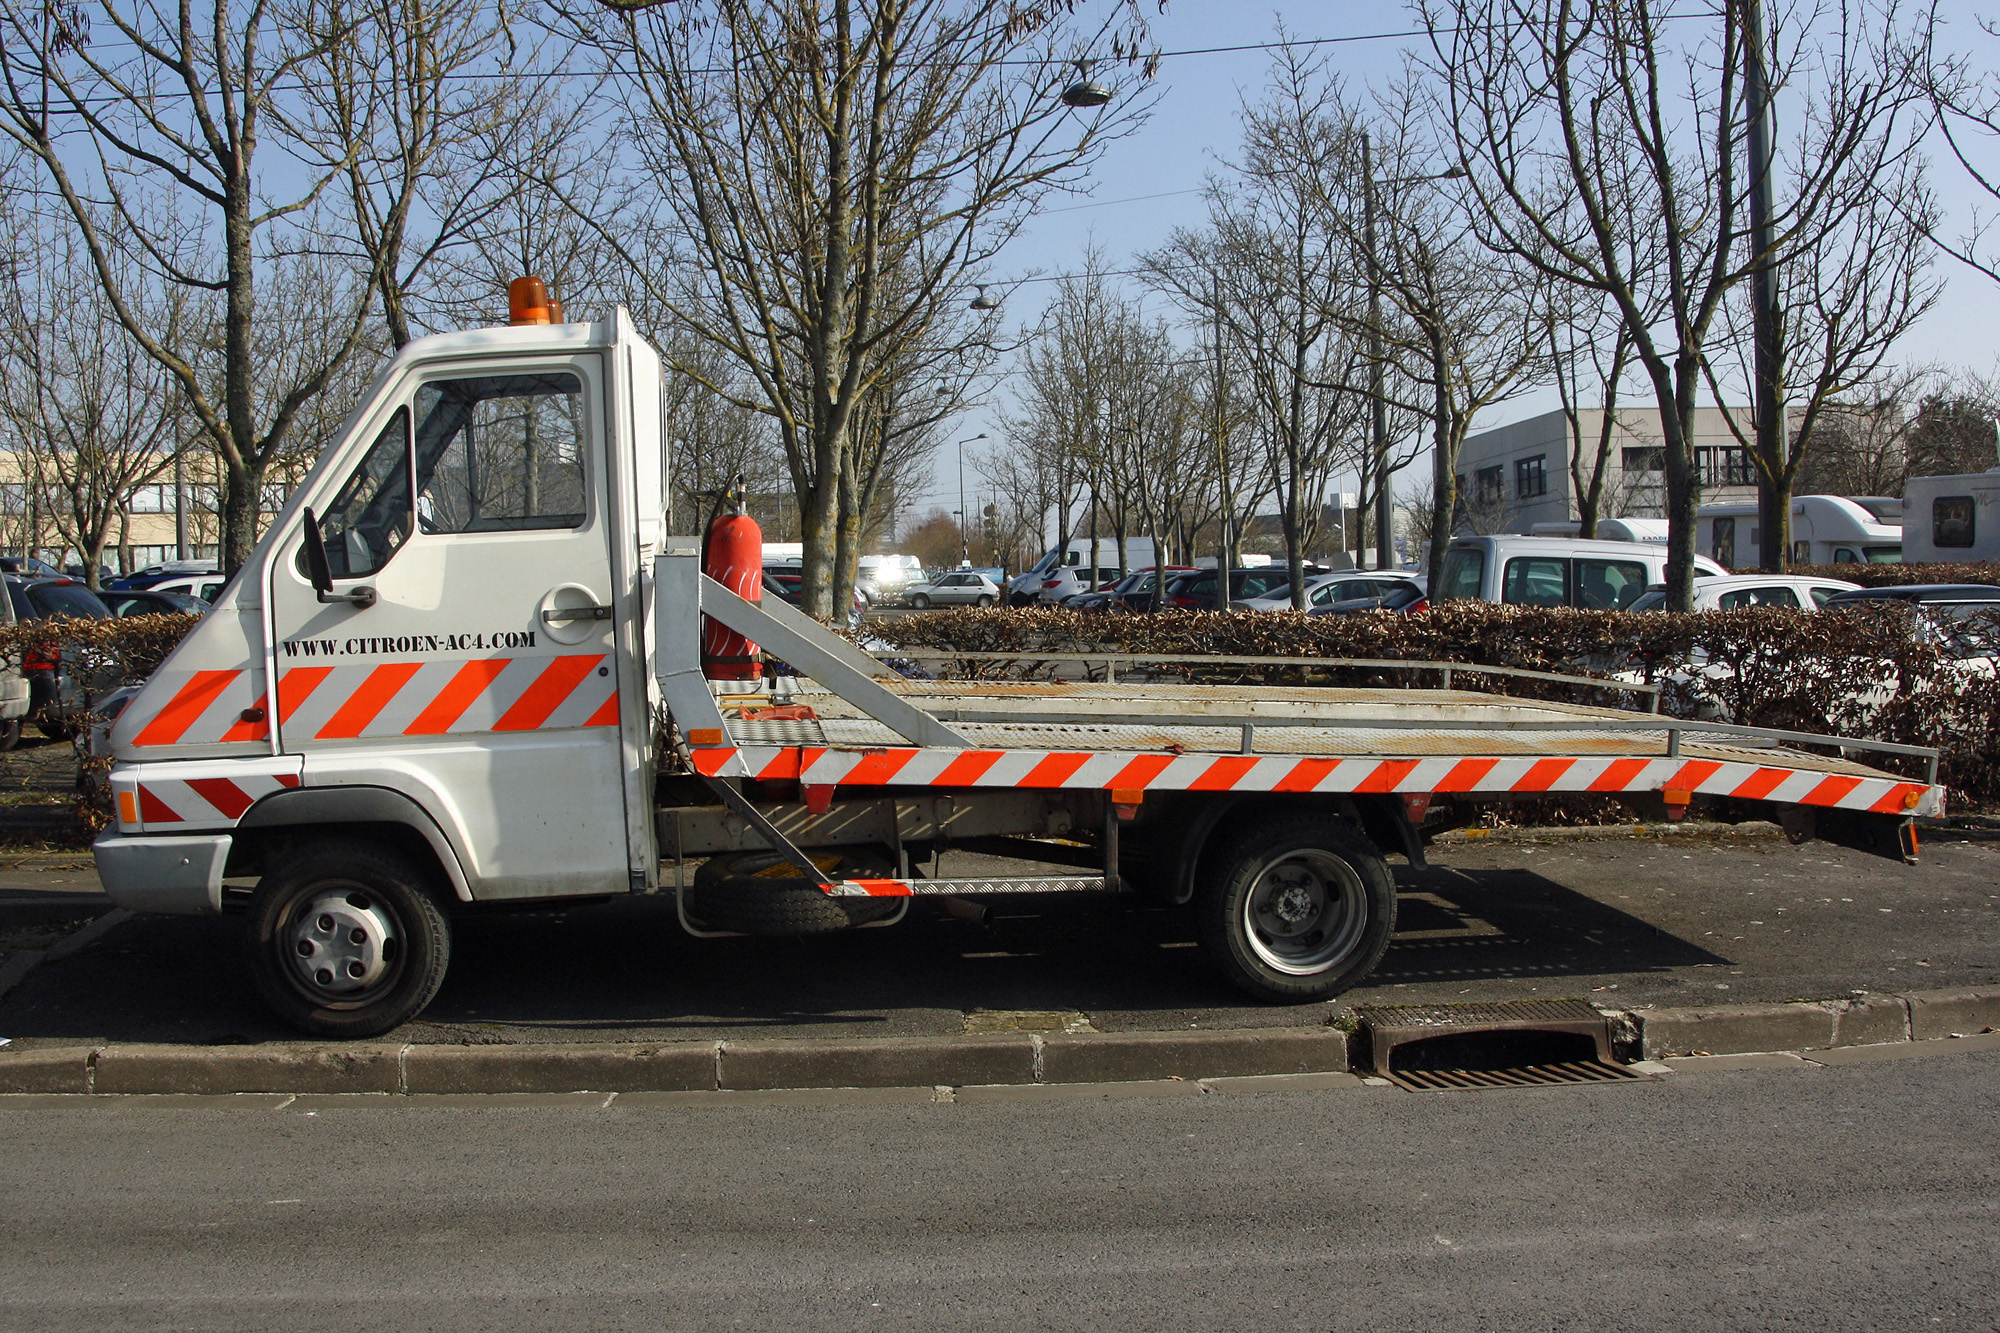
1515	477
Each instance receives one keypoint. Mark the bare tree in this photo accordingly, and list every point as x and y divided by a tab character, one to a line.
1275	268
170	112
1588	349
404	103
1604	148
793	155
95	418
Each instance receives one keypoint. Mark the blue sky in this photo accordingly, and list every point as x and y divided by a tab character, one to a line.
1193	129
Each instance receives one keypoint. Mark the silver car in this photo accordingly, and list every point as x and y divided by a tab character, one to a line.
960	587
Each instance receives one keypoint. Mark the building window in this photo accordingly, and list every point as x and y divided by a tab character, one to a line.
1730	466
152	500
1487	484
1647	459
1952	521
1531	477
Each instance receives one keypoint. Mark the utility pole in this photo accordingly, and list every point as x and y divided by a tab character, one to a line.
1767	397
180	506
1378	425
1225	558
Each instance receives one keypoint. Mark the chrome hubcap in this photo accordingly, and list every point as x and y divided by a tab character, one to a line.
1305	913
341	943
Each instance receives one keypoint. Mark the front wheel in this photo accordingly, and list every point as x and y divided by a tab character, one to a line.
920	602
1296	907
346	940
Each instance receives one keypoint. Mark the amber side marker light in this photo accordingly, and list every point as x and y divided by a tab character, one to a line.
528	302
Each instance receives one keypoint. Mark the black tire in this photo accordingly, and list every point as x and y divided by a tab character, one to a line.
920	602
329	913
761	893
10	734
1295	907
984	601
55	731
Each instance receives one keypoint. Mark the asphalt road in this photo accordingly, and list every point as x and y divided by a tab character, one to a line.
1864	1197
1662	920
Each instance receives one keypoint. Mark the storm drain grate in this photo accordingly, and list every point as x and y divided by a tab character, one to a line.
1533	1043
1518	1076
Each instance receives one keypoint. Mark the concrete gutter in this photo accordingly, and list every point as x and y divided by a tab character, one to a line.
1015	1059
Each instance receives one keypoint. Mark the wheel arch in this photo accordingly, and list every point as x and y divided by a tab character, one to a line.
1187	824
285	817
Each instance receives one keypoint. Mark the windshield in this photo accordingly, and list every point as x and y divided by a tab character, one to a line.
1883	555
67	599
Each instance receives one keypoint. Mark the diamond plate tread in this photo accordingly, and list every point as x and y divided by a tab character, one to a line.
1448	1016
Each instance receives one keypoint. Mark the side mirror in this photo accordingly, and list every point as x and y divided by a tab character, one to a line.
321	573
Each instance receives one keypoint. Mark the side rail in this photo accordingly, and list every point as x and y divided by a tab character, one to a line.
1110	663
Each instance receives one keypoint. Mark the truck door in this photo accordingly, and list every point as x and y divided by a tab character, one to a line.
481	676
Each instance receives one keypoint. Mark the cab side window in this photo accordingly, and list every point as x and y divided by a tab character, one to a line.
369	517
1609	585
501	453
1533	581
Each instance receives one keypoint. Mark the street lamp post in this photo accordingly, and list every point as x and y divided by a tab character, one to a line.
964	541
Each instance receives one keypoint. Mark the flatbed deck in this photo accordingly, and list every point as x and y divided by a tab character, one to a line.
1294	739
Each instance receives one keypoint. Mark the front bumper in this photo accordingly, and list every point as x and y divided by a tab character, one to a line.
178	875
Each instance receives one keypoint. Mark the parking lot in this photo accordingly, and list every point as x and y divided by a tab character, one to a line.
1682	918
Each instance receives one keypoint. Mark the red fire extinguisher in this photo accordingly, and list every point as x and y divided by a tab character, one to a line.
732	553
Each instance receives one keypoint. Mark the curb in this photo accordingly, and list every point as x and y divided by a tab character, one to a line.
1864	1020
697	1066
1014	1059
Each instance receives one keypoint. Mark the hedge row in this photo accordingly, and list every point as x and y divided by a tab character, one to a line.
1866	673
1890	576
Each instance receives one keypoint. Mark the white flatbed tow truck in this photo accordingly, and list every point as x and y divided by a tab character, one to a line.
464	669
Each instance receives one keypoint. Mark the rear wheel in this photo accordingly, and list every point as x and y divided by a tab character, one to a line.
346	940
985	600
920	602
10	734
1295	907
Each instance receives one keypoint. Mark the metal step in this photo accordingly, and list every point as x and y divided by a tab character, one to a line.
955	888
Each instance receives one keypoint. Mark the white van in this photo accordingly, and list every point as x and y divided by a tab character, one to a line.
1554	571
1028	587
1826	530
1952	518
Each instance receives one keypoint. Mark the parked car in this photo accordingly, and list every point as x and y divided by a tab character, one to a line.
162	572
788	582
1139	584
14	693
961	587
208	587
28	565
1324	590
1404	598
151	602
1196	591
1555	571
1921	592
53	690
1066	581
1738	590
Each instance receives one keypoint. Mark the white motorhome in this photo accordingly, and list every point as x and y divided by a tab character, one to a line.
1609	529
1826	530
1952	518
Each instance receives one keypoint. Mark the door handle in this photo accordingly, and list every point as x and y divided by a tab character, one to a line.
556	615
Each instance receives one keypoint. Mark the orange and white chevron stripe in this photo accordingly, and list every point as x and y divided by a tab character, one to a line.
1126	770
191	797
447	698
